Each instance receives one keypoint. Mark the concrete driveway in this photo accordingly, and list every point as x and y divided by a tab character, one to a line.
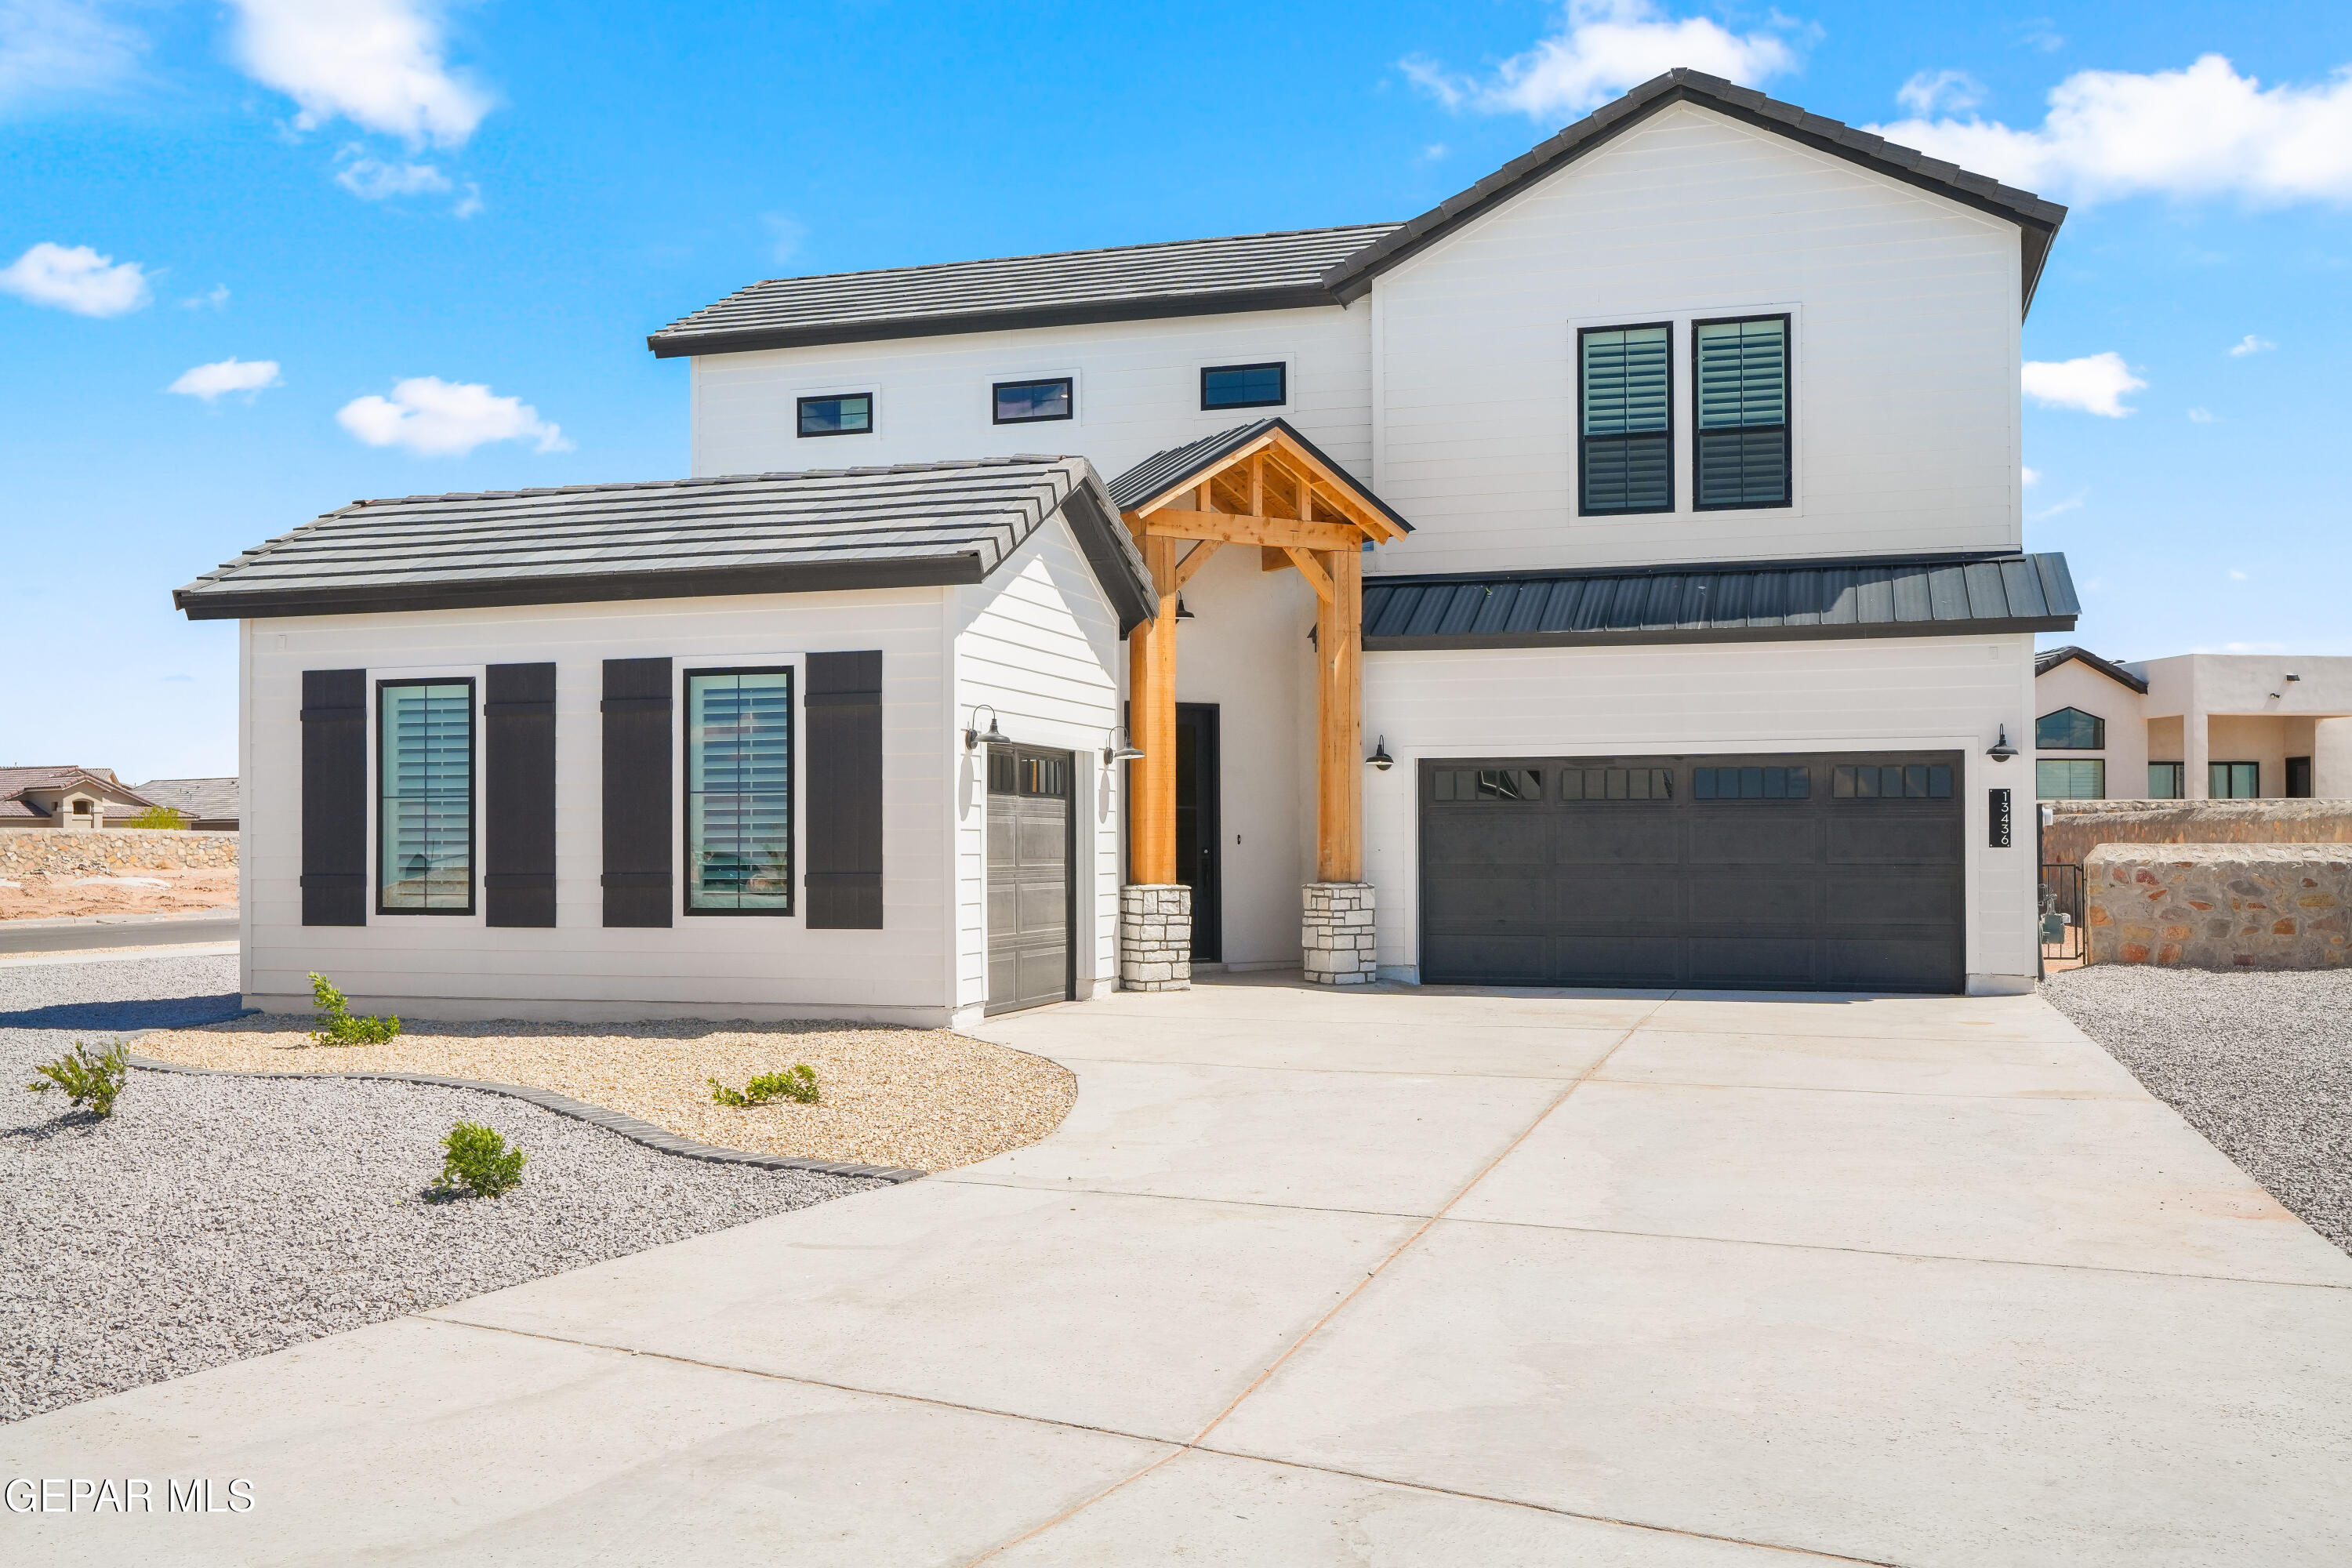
1398	1277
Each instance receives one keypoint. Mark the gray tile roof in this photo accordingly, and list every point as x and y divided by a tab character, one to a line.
1278	271
2051	658
1754	603
206	800
1163	471
1181	278
2037	219
754	534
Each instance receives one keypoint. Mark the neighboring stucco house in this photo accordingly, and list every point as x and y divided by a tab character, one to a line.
2195	726
66	796
209	804
1613	576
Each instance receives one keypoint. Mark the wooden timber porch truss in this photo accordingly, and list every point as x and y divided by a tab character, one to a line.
1263	487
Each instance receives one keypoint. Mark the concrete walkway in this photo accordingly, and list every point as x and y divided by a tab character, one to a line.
1395	1277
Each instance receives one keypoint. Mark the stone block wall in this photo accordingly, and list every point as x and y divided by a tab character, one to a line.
1155	937
2080	826
45	852
2220	905
1336	931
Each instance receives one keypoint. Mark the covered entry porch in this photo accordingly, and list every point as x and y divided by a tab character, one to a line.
1262	487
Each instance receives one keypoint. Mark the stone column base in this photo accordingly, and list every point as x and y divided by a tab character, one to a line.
1155	937
1335	933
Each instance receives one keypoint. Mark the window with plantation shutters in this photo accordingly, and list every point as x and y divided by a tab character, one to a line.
1625	417
739	792
424	813
1740	447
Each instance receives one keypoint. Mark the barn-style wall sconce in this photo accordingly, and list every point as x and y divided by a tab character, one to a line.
974	737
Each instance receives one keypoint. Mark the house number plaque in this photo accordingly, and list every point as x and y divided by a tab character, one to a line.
1997	818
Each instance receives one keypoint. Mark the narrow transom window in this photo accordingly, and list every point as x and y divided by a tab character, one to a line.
1625	415
2083	778
849	415
424	807
739	792
2070	730
1244	385
1026	402
1741	447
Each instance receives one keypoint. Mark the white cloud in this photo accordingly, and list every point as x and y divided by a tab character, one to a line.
2236	576
52	47
2033	477
1929	91
2071	503
2205	130
437	418
2095	384
784	237
210	381
1605	46
2250	345
215	300
76	278
2198	416
376	63
373	179
470	203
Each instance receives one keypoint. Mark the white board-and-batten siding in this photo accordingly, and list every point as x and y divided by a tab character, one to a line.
1719	698
766	966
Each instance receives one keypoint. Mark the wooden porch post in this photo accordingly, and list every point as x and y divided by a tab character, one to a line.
1340	649
1151	724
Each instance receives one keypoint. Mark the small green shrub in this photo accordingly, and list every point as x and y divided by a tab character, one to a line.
476	1160
91	1080
159	816
799	1085
342	1028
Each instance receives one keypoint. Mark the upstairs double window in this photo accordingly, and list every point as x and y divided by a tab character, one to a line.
1739	447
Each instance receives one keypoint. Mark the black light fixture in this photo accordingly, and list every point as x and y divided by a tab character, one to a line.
1119	751
974	737
1379	758
2000	750
1182	612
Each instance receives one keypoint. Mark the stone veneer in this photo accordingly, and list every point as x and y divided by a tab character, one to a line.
2220	905
46	851
1335	933
1155	937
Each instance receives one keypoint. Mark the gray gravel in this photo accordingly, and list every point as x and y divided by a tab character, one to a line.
210	1219
2260	1064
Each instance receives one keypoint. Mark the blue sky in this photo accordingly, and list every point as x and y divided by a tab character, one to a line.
387	247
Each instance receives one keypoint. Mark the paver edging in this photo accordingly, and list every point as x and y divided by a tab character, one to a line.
629	1127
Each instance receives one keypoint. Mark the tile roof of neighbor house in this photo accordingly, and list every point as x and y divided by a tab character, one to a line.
753	533
1280	271
1779	601
2049	658
15	781
1164	471
204	800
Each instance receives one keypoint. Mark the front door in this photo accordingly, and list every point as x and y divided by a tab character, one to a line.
1029	866
1198	834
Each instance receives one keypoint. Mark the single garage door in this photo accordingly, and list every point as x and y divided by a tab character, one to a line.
1029	894
1817	871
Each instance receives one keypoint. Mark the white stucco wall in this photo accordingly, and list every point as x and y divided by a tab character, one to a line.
2074	684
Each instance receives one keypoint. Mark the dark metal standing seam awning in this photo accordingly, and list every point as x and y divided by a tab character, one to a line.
1943	596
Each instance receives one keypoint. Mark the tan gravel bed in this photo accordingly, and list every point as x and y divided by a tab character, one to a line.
924	1099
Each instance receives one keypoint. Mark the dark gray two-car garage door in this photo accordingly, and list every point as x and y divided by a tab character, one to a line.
1833	871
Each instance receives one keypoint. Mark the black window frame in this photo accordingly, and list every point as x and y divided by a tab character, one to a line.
1281	369
2099	776
2098	730
1788	415
2179	780
473	791
800	414
1584	507
2236	762
1069	384
792	706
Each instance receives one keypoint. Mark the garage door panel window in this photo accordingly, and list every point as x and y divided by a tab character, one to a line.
1908	780
2074	778
1751	784
1465	784
1617	783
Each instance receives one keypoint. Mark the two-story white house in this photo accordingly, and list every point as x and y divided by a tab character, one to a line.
1613	576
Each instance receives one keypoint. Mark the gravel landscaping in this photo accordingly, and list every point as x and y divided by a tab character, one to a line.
213	1218
2260	1063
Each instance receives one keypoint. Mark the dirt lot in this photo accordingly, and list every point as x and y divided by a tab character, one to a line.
141	892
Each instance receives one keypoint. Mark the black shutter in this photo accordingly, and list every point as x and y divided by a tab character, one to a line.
843	759
637	817
334	797
519	793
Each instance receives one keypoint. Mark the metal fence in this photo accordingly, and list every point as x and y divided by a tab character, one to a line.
2061	912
